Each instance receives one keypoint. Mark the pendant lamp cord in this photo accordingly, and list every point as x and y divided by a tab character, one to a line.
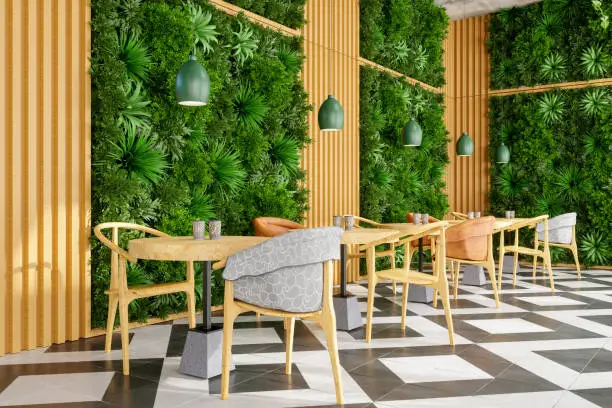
331	54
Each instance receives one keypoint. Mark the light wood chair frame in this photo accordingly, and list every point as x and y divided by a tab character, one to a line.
378	254
120	294
488	263
326	317
573	246
437	280
516	249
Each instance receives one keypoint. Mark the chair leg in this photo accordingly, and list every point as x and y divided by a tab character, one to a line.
491	269
443	287
394	288
258	316
328	323
290	325
514	264
404	305
575	253
501	259
456	281
191	308
535	266
435	299
125	333
549	267
230	313
370	311
536	245
113	301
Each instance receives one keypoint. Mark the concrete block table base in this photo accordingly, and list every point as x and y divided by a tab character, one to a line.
420	294
202	353
348	313
473	275
508	261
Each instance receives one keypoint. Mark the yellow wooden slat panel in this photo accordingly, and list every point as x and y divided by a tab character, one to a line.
4	249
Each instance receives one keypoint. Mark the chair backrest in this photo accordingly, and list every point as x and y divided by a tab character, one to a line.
410	218
113	243
459	216
469	240
304	247
272	226
560	228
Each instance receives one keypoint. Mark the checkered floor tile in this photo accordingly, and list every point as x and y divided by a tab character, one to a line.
537	349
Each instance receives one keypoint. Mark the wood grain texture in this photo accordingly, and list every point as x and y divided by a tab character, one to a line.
466	98
549	87
44	142
331	161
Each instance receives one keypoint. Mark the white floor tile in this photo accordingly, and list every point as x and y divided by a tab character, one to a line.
550	301
433	369
507	326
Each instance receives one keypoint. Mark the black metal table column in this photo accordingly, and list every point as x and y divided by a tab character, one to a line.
206	296
343	270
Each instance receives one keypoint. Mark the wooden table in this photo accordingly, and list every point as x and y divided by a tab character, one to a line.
189	249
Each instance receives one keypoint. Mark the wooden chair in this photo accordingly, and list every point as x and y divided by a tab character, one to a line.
253	274
120	294
459	216
562	234
471	242
378	254
436	280
535	252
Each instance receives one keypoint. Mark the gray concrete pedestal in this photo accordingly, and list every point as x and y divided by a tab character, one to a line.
474	275
508	261
203	353
420	294
348	313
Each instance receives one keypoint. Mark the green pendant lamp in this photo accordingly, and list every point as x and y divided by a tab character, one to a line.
465	145
192	84
412	133
331	115
502	154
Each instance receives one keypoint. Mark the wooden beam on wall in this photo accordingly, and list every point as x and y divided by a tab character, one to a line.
233	10
368	63
549	87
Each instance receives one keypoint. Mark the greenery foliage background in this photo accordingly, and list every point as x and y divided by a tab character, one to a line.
558	165
560	141
289	13
165	165
394	179
405	35
549	42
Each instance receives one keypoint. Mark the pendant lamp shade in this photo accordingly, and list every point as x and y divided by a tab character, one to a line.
412	134
465	145
502	154
331	115
192	84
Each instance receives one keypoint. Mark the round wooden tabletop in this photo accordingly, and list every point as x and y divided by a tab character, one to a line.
189	249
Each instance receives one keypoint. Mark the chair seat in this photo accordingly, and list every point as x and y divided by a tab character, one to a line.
401	275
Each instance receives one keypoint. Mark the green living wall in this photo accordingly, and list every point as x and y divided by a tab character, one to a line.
404	35
549	42
394	179
560	140
289	13
561	162
164	165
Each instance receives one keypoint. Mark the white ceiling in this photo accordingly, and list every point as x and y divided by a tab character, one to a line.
458	9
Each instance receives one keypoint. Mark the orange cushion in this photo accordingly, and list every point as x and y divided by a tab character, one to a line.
468	240
271	226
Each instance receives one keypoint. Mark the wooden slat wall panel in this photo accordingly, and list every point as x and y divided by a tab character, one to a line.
45	179
466	98
331	162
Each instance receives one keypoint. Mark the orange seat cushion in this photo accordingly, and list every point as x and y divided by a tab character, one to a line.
271	226
468	240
